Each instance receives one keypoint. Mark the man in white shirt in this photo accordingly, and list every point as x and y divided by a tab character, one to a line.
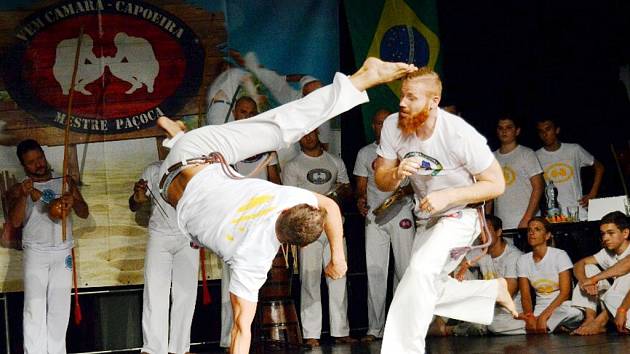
450	167
171	271
524	183
47	256
615	230
561	163
316	170
398	232
244	221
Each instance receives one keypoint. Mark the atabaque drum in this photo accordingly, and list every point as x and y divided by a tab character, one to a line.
278	284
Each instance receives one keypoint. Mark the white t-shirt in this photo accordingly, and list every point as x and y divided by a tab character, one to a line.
453	154
503	266
317	174
40	232
245	167
518	165
563	168
607	259
364	167
544	276
238	222
163	222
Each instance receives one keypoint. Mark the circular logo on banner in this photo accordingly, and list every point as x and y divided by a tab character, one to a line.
136	62
405	44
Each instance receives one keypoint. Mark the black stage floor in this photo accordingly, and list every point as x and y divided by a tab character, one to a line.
532	344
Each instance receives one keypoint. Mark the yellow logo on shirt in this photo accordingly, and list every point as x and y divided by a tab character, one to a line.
255	202
509	175
558	172
490	276
545	286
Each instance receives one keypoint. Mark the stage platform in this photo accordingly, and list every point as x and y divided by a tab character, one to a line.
531	344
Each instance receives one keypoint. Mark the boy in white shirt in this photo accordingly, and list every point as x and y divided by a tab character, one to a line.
561	163
524	183
615	229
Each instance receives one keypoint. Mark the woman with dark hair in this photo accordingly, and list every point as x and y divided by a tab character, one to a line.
548	271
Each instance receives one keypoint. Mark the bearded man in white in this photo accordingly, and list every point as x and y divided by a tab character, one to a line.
450	167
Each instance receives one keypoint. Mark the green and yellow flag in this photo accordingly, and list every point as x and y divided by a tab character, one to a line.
393	30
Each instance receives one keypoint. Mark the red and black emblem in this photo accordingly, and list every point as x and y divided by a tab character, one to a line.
136	62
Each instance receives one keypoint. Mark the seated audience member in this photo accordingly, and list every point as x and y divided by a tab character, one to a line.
548	271
592	285
499	262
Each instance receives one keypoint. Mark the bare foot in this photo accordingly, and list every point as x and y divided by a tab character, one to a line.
375	72
504	299
171	127
437	328
589	329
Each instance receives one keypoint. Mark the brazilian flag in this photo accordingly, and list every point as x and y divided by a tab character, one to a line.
392	30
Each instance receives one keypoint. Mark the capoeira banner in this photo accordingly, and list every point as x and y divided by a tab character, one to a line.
136	63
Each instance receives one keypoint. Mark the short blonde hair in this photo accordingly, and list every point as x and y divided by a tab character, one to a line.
301	224
429	77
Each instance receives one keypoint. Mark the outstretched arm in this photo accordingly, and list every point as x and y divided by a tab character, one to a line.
333	227
243	313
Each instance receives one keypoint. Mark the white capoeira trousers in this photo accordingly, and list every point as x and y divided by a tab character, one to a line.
47	283
581	299
271	130
426	289
313	259
614	296
226	308
399	233
503	323
171	271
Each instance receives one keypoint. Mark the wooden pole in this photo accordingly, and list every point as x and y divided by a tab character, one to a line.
66	137
66	152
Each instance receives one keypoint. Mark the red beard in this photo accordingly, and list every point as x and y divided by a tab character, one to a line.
410	124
